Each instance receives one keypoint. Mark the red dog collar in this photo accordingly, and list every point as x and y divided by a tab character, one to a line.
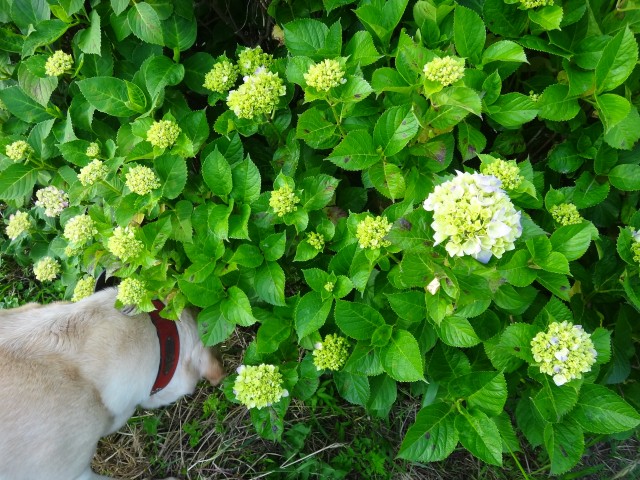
169	347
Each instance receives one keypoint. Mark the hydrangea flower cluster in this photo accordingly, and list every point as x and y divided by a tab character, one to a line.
329	286
507	172
445	70
331	354
53	200
221	77
18	150
316	240
566	214
528	4
258	94
371	231
259	386
46	269
325	75
80	229
123	244
475	215
635	246
251	59
92	173
141	180
84	288
58	63
564	351
131	291
163	134
19	223
93	150
283	200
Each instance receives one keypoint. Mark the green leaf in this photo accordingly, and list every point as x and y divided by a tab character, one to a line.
202	294
118	6
409	306
556	104
312	38
269	283
504	19
357	320
388	179
311	313
179	32
273	246
246	181
113	96
394	129
356	152
382	21
213	327
381	336
565	158
159	72
600	410
573	240
236	307
89	40
432	437
46	32
486	391
317	129
17	181
22	106
457	332
361	50
29	12
216	173
172	171
554	402
626	133
273	331
401	357
612	109
564	443
516	340
469	34
601	338
625	177
516	271
618	60
512	110
145	23
556	283
588	191
549	17
317	191
352	387
504	51
479	434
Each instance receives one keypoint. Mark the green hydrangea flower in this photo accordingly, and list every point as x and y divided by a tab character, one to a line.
18	150
258	95
131	291
635	245
123	244
329	286
507	172
163	134
93	150
534	96
565	351
566	214
445	70
80	229
19	223
84	288
528	4
58	63
331	354
283	200
221	77
46	269
141	180
316	240
92	173
371	231
475	215
325	75
72	250
53	200
259	386
251	59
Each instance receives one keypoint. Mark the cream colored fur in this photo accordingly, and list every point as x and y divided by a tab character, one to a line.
71	373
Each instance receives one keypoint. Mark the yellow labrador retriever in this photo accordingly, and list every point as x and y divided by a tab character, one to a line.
71	373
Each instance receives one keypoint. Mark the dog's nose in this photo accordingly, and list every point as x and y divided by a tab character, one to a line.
214	371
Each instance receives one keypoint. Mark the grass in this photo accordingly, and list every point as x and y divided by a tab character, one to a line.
204	436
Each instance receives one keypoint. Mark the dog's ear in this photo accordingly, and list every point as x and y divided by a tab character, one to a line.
103	282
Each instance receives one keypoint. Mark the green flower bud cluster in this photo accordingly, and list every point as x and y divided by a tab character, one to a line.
92	173
163	134
221	77
316	240
534	96
93	150
251	59
331	354
635	245
80	229
259	386
507	172
19	223
84	288
325	75
141	180
329	286
283	200
258	95
58	63
123	244
475	215
528	4
564	351
18	150
565	214
53	200
371	231
131	291
445	70
46	269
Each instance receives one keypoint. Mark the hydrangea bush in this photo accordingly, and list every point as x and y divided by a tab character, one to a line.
433	200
